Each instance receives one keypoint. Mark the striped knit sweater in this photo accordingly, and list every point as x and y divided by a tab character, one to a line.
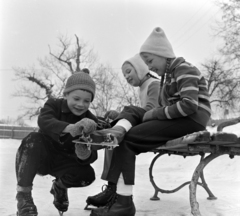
185	95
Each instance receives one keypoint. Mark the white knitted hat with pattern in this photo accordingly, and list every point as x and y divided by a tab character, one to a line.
158	44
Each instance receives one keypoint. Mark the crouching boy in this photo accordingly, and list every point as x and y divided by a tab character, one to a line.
51	150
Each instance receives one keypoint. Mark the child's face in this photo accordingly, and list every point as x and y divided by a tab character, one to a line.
78	101
155	63
130	74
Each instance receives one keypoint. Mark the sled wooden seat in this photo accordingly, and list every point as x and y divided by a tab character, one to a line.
208	146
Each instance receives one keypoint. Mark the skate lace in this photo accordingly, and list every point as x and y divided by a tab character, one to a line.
61	193
105	188
28	198
111	201
26	204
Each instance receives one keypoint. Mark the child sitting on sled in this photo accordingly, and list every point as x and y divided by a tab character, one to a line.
136	73
184	108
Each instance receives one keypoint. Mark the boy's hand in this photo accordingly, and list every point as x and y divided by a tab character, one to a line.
82	151
111	114
85	126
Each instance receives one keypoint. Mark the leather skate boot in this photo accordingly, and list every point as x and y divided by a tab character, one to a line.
60	196
115	134
101	199
118	206
25	204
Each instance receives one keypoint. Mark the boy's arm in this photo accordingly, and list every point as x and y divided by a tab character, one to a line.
48	119
152	96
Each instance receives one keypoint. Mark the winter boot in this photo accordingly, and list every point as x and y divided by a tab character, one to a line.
60	196
25	204
101	199
115	134
118	206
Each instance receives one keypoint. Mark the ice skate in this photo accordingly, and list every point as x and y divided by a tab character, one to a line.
118	206
117	132
107	141
101	199
25	205
60	198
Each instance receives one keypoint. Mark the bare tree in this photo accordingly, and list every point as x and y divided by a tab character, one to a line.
129	95
228	29
7	121
49	79
223	83
223	73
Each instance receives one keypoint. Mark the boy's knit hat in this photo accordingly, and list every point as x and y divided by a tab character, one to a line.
80	80
139	65
158	44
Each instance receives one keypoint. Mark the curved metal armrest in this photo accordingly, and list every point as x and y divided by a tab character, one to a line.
227	123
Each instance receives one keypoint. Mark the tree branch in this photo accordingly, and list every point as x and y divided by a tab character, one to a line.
59	58
78	69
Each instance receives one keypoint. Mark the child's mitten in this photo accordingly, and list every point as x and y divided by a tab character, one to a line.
82	151
111	114
85	125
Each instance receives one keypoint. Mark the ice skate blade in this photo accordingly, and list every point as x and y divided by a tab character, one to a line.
90	208
60	213
30	214
110	145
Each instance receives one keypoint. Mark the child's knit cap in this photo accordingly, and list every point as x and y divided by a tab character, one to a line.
139	65
158	44
80	80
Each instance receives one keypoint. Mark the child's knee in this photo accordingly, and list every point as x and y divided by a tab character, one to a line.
32	142
81	178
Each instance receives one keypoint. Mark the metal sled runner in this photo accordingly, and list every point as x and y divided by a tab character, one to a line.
208	146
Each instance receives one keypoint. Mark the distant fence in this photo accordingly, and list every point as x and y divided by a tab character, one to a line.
15	132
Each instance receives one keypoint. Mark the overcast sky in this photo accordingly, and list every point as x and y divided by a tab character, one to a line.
114	28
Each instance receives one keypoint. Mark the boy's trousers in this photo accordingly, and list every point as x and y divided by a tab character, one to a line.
143	137
37	155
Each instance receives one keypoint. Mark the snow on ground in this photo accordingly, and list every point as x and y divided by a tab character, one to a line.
222	176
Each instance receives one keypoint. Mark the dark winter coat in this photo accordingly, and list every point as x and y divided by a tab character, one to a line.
53	118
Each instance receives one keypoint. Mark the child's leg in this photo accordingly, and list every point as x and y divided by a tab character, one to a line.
59	192
141	138
120	204
69	172
132	114
109	190
78	176
122	188
30	157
